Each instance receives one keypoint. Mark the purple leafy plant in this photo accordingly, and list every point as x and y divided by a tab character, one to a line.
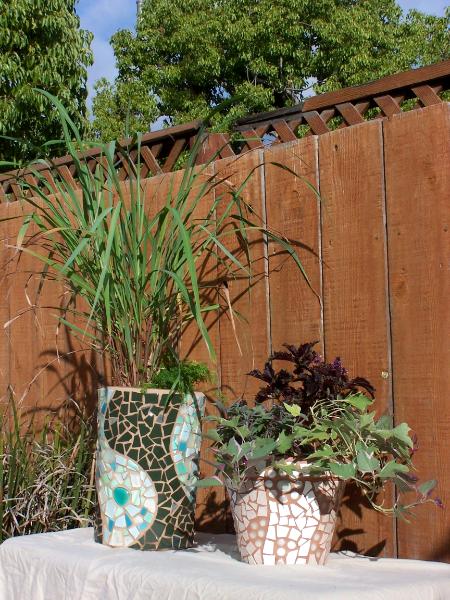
310	380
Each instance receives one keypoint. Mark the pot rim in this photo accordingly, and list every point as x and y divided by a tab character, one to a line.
327	476
123	388
301	477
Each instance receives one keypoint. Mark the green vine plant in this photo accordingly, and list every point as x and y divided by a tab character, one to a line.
314	420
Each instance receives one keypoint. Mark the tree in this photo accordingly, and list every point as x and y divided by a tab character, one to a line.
188	55
41	46
125	108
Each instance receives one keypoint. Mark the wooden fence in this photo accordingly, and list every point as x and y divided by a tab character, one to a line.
377	252
161	151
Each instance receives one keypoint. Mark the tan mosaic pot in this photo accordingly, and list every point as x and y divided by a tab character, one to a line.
281	519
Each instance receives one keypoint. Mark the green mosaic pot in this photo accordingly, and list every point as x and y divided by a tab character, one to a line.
147	467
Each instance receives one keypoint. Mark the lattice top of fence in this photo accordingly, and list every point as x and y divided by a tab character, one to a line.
160	151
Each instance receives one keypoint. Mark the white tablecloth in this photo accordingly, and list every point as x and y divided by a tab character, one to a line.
70	566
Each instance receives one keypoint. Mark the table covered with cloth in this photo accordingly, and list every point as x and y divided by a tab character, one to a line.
69	565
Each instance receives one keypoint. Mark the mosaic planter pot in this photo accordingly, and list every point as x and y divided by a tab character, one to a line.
147	466
280	519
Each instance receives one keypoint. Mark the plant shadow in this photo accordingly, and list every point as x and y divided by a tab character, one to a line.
75	376
346	538
214	514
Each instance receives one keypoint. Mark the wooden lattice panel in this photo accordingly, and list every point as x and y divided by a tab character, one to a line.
162	151
159	152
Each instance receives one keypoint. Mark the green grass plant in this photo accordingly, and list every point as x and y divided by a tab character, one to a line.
131	270
46	475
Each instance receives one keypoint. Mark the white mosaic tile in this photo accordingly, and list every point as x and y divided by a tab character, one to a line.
299	527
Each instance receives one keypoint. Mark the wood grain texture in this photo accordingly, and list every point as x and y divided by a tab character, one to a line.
83	370
51	351
353	262
211	510
157	190
293	210
244	339
4	306
356	318
25	385
418	209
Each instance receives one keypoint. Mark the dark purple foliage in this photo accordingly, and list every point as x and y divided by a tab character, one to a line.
311	378
278	383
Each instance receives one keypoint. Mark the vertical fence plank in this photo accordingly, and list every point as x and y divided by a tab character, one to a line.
51	364
211	513
4	306
293	209
193	346
81	369
51	349
248	330
22	333
418	194
355	321
211	510
356	317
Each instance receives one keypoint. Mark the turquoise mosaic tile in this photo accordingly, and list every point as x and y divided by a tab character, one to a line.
147	466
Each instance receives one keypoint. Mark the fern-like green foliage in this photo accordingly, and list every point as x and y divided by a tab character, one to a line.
189	373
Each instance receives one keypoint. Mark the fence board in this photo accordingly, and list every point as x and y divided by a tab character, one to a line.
192	345
250	301
418	184
294	210
348	232
80	368
22	333
4	308
51	352
356	318
211	512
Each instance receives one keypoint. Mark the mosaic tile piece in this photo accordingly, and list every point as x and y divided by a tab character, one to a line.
127	497
280	519
184	441
147	465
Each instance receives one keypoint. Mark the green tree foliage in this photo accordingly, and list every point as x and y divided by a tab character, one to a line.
188	55
41	46
126	107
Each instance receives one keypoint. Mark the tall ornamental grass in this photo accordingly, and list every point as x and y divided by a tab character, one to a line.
136	267
46	476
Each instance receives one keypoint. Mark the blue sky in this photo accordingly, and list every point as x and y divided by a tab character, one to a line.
104	17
